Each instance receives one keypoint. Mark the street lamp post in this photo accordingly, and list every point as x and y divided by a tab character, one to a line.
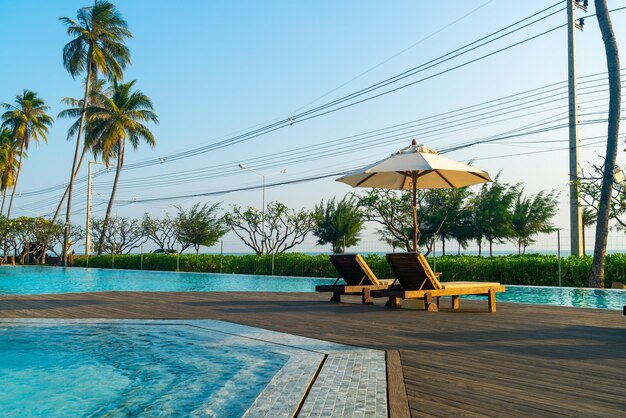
245	167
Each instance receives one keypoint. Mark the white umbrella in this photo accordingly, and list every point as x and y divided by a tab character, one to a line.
416	167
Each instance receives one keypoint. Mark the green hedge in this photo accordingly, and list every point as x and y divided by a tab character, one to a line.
292	264
532	269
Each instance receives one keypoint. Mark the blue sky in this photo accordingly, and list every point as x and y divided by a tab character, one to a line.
217	68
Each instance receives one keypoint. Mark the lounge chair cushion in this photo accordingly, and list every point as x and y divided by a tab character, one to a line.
466	285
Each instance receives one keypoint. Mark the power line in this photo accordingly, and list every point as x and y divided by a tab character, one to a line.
403	129
291	156
342	172
139	165
309	113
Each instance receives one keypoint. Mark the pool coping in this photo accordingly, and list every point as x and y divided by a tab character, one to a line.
320	378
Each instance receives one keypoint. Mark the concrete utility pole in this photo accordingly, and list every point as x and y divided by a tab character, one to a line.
88	220
576	224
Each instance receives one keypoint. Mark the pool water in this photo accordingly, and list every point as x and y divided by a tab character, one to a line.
129	370
43	280
565	296
33	280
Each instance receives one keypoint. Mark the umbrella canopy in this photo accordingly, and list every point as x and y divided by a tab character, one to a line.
416	167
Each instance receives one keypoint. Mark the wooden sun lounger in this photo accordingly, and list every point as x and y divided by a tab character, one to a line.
419	282
359	278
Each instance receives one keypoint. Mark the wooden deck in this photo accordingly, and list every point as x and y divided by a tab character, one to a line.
524	360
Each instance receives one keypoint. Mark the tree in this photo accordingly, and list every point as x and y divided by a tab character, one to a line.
389	240
590	194
338	223
121	236
163	232
596	278
284	228
441	209
75	110
97	46
392	210
29	237
464	230
28	119
531	216
7	229
115	120
200	226
9	162
56	238
438	209
492	214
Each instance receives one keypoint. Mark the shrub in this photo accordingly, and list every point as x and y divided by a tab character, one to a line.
529	269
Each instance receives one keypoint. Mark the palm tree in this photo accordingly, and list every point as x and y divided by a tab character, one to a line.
338	223
98	47
27	120
9	151
115	119
596	278
75	110
531	216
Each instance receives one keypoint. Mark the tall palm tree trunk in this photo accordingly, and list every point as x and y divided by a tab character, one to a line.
17	177
70	188
4	198
596	278
60	205
120	163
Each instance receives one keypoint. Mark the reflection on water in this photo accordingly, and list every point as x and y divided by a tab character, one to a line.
565	296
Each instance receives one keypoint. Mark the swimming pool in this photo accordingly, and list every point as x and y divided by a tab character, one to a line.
150	368
565	296
129	370
33	280
42	280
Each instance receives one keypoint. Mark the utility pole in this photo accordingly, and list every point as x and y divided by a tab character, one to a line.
88	220
576	224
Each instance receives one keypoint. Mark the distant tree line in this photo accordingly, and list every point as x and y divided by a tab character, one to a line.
495	213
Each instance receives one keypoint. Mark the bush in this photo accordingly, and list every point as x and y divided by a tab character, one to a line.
529	269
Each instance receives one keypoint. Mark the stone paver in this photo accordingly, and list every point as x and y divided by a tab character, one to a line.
351	384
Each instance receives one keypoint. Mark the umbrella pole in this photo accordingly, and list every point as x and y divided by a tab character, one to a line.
414	181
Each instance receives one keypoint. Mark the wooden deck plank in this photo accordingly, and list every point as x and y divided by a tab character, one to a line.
396	389
524	360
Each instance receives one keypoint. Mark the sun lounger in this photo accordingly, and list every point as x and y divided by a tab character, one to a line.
419	282
359	278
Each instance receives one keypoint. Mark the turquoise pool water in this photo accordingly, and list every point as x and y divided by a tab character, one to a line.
129	370
565	296
42	280
33	280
